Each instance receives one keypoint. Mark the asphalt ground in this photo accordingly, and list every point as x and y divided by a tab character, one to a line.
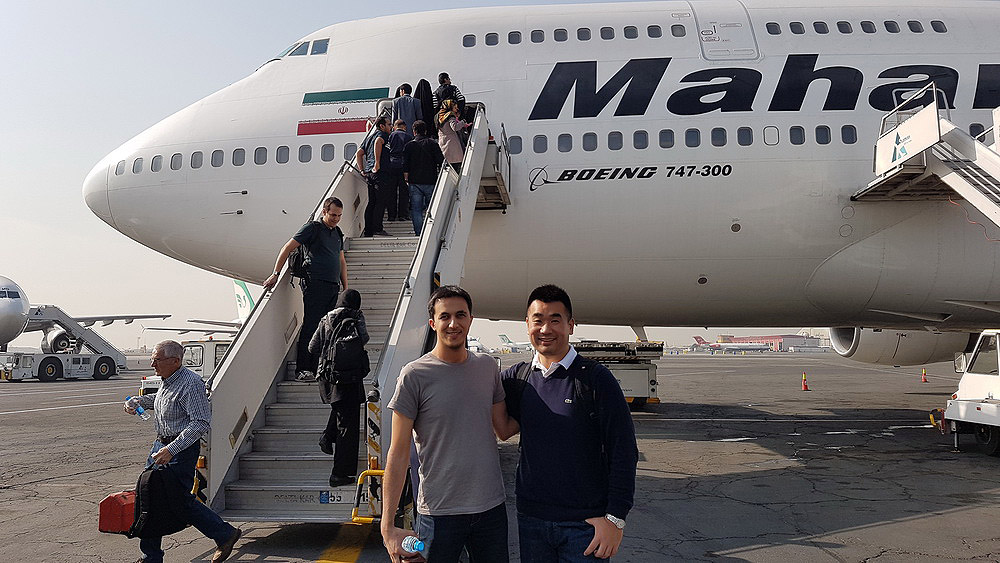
736	464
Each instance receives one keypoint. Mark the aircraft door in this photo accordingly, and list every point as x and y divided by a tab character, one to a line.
724	30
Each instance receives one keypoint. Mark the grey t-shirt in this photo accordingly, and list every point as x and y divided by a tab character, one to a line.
452	410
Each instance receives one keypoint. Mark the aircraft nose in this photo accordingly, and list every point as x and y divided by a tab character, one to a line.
95	192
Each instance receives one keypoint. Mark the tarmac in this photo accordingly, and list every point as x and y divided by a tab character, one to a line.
737	463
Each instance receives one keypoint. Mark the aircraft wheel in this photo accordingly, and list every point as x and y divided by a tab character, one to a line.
104	368
50	369
987	439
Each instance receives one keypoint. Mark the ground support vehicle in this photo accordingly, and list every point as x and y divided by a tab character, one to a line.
632	365
975	407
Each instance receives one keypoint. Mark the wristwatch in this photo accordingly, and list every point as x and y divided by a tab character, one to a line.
618	522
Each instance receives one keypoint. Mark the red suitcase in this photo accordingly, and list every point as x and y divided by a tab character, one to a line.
117	511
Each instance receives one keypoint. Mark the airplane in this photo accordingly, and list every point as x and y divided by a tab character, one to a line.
244	306
473	343
15	319
732	346
513	347
671	163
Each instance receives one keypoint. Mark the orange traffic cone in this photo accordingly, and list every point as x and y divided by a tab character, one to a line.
805	386
923	375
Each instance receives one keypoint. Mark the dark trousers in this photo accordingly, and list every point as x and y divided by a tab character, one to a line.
319	297
401	199
344	429
483	534
379	187
197	514
543	541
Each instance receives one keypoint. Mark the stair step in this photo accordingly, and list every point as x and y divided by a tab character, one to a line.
276	466
289	517
383	243
296	415
287	440
318	497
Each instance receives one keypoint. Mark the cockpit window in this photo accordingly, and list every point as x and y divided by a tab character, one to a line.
3	294
288	50
320	46
13	295
302	49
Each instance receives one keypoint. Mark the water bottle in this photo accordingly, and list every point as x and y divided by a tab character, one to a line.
139	411
412	544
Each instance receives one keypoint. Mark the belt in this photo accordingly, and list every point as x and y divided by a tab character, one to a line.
166	440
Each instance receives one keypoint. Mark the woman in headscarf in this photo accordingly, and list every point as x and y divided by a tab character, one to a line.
449	125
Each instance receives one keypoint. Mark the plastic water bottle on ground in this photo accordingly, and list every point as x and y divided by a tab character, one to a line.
413	544
139	411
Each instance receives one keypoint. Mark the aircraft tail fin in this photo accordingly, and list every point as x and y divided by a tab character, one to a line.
700	340
244	301
504	339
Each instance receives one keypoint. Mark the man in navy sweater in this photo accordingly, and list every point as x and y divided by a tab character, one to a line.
576	473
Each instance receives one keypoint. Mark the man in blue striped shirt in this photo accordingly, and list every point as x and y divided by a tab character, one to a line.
182	414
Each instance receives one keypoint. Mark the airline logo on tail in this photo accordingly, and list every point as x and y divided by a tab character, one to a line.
244	301
701	341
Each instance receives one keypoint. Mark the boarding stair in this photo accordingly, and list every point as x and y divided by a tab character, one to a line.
921	155
263	461
78	332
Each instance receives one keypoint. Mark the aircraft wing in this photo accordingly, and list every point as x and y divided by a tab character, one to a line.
230	324
205	331
105	320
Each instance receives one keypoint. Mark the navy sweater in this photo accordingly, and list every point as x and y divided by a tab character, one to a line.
562	474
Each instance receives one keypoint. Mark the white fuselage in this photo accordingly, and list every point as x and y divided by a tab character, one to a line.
750	224
14	309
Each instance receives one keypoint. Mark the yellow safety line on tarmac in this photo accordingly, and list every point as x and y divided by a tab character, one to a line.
347	545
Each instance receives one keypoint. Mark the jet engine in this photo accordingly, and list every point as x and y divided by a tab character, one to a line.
899	347
55	340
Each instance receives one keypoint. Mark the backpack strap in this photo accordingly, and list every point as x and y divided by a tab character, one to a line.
514	389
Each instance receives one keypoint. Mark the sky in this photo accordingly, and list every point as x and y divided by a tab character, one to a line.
80	79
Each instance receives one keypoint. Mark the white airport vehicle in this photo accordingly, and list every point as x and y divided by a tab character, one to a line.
632	365
975	407
706	172
200	356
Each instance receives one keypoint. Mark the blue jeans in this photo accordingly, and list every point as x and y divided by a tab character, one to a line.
420	199
484	535
198	515
543	541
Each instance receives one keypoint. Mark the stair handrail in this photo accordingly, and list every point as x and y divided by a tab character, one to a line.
912	99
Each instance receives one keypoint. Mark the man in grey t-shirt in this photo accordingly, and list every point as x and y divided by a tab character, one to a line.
452	402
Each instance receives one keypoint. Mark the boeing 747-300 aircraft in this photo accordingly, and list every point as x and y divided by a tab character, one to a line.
671	163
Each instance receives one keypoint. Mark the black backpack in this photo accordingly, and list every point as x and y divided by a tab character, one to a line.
299	261
348	360
159	508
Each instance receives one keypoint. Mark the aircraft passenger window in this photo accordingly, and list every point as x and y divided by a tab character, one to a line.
848	134
217	157
537	36
260	155
540	144
821	28
718	137
844	27
281	154
239	157
327	153
320	46
915	26
157	163
197	159
868	27
469	41
492	38
615	140
654	31
137	166
350	150
631	32
797	28
678	30
590	142
175	161
773	28
583	34
797	135
692	138
565	142
891	26
822	135
305	153
771	135
560	35
514	37
514	145
300	50
985	360
938	26
744	136
666	138
607	33
640	139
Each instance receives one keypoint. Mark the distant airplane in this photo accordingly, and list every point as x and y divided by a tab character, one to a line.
244	305
15	313
514	347
732	346
475	345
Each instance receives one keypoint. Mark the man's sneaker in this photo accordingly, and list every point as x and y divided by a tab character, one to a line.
305	376
225	550
341	480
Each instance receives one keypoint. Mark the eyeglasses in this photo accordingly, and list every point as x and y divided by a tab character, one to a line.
155	360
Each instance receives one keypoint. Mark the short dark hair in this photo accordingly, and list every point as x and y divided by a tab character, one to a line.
399	122
419	127
442	77
334	201
549	293
405	87
380	121
444	292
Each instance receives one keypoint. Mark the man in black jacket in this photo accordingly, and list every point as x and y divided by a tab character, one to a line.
448	91
422	161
